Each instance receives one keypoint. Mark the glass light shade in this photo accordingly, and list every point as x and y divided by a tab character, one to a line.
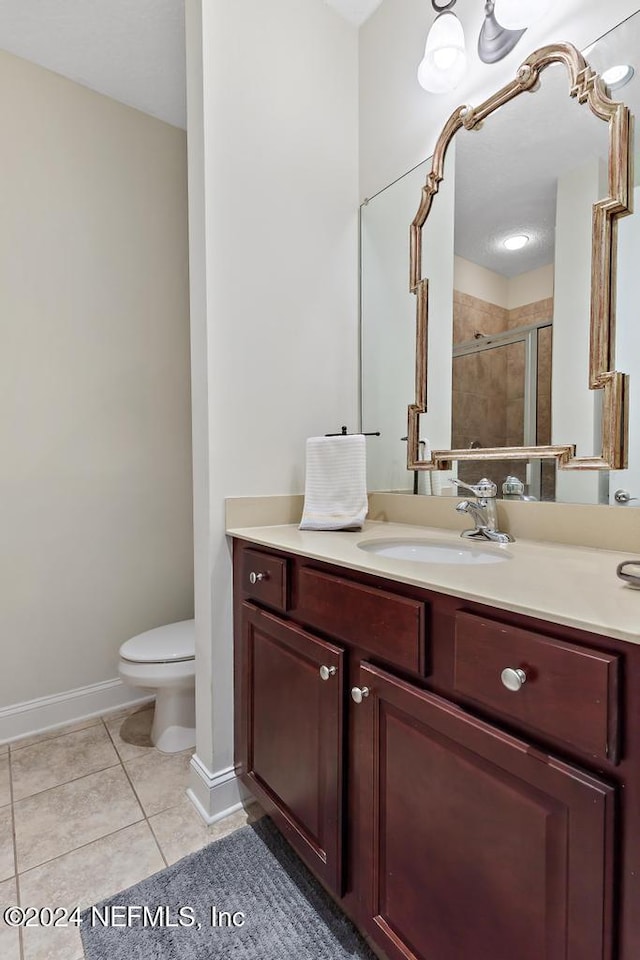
445	59
516	242
519	14
618	76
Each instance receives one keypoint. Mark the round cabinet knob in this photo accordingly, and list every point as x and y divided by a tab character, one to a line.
513	679
326	672
256	577
359	693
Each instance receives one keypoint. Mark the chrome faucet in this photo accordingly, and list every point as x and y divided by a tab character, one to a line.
483	511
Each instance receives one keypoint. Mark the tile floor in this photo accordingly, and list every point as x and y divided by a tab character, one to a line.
86	811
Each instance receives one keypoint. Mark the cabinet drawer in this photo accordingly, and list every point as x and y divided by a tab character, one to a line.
569	693
265	579
388	626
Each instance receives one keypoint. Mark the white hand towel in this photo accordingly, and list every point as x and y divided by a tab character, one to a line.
335	490
424	476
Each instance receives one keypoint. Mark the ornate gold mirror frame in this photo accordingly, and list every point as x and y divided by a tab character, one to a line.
587	87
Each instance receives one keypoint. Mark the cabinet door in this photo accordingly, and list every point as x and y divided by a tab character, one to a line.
480	847
290	742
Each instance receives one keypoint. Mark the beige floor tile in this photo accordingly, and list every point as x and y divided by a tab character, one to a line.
5	788
67	758
181	830
9	938
131	733
83	877
90	874
52	943
4	749
52	823
53	734
160	779
7	862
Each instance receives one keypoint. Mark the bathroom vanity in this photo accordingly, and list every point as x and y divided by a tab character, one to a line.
454	748
463	778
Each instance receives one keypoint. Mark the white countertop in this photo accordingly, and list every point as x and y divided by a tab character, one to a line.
576	586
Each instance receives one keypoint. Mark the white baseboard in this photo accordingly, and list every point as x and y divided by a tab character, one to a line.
214	795
48	713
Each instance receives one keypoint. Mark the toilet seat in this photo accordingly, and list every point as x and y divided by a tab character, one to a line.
171	643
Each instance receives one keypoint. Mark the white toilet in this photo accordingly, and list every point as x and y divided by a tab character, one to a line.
165	658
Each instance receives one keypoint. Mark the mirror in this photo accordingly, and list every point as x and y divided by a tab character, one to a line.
513	328
609	197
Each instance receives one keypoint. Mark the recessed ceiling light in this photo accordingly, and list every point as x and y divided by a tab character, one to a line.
516	242
618	76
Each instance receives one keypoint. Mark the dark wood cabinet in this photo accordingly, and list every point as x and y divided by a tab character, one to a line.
480	848
449	816
291	735
570	693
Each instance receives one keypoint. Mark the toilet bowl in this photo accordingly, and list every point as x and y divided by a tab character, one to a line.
164	659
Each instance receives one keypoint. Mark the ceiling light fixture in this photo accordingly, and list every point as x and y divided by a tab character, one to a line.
495	42
618	76
445	58
516	242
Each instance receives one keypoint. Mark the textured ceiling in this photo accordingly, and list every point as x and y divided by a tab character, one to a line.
507	173
131	50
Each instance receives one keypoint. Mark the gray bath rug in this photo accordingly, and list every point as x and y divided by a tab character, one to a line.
245	897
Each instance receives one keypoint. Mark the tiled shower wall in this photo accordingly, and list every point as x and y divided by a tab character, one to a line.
488	387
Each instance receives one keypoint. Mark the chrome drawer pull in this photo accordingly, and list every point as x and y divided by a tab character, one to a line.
359	693
257	577
326	672
513	679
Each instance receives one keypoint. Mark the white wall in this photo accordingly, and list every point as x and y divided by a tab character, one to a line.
531	287
272	106
389	326
95	484
506	292
388	329
477	281
627	352
400	122
437	267
575	416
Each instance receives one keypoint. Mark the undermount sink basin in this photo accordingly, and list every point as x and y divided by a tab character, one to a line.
425	551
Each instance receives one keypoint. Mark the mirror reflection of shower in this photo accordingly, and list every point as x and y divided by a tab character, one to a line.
502	390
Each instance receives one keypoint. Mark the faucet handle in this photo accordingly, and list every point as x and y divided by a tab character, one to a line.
484	488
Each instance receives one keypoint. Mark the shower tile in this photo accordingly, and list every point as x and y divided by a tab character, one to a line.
66	817
544	413
52	762
471	315
531	313
515	422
